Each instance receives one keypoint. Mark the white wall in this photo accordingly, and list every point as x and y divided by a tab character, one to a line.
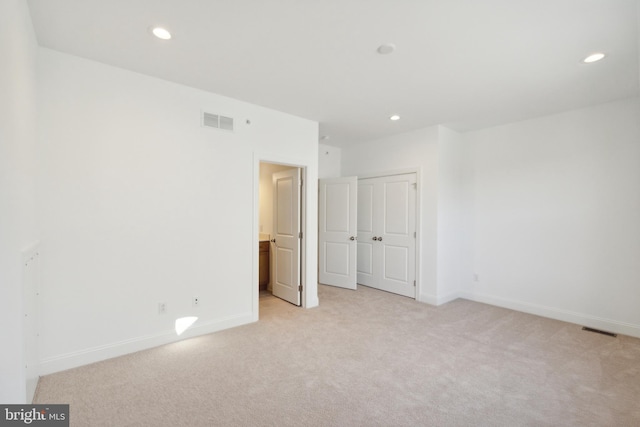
412	150
329	161
544	211
142	205
18	229
556	209
452	214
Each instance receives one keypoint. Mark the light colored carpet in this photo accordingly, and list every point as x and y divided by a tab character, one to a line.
366	358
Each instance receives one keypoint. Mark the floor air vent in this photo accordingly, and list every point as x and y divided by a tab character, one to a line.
598	331
217	121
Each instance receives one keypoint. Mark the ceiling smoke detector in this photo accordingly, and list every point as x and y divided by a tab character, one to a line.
386	48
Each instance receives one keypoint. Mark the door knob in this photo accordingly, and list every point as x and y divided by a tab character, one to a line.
375	238
380	239
273	240
352	238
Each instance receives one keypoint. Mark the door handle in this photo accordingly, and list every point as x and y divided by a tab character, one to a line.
273	240
375	238
353	238
380	239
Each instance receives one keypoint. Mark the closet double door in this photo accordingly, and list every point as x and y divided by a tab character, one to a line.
387	233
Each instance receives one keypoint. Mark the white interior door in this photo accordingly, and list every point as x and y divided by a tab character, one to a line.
396	236
337	206
286	239
367	268
386	233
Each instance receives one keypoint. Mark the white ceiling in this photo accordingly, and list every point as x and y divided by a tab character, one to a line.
467	64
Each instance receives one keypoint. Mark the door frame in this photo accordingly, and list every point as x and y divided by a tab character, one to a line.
309	297
418	172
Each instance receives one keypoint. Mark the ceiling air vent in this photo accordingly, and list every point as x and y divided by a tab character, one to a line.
217	121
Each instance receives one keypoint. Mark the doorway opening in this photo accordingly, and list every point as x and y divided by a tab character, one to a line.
280	225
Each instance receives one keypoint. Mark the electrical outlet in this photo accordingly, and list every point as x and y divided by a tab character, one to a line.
196	301
162	308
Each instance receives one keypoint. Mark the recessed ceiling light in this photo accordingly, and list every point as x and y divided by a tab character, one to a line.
161	33
394	117
386	48
593	57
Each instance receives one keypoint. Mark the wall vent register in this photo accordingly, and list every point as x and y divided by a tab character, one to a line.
598	331
217	121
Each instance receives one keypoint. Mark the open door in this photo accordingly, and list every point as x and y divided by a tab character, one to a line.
337	234
286	239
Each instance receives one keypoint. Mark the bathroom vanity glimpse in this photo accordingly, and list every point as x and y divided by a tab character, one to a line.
263	260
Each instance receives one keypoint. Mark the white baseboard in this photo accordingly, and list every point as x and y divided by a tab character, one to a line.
66	361
428	298
448	298
558	314
438	300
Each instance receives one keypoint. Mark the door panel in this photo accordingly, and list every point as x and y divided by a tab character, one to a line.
284	202
386	251
337	258
395	263
337	245
365	207
286	227
337	210
365	264
283	266
396	199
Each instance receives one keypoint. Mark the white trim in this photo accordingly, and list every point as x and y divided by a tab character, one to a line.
435	300
428	299
309	298
448	298
393	172
558	314
121	348
31	320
